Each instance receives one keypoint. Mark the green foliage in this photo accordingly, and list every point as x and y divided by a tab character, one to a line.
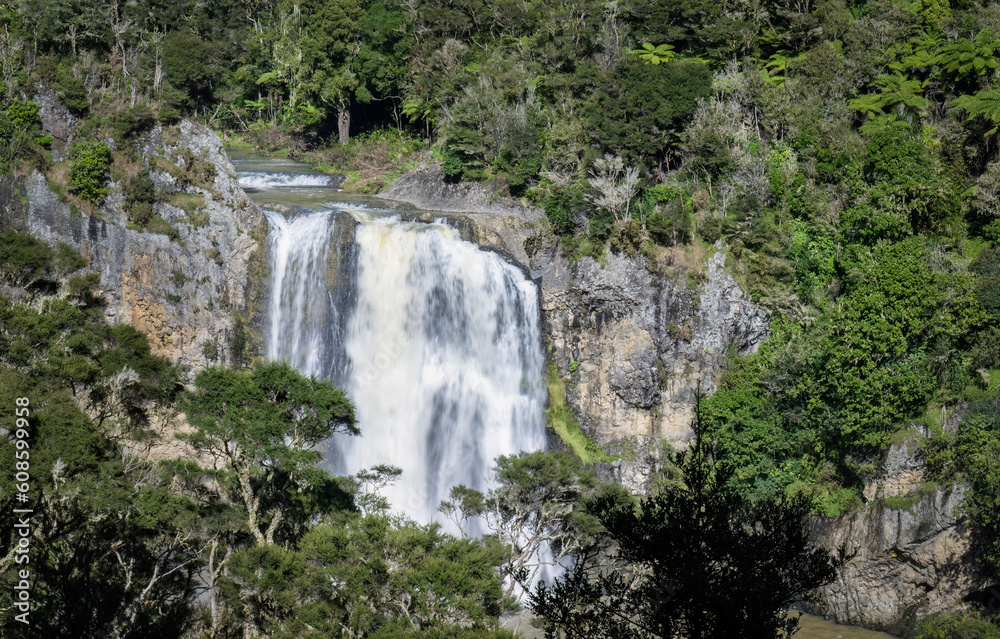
67	259
191	66
639	102
368	575
452	164
73	93
977	455
896	91
985	104
88	386
24	115
23	259
265	424
987	267
957	625
129	122
89	169
562	207
654	55
901	190
973	58
689	561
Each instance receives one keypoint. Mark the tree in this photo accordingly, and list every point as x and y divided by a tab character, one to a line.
971	59
319	44
641	107
261	427
615	185
536	505
694	560
89	169
985	103
897	92
369	576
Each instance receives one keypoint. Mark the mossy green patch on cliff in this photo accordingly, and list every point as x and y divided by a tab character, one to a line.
907	502
560	418
189	202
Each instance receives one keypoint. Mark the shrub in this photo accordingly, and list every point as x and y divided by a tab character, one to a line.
67	259
129	122
23	259
24	115
90	163
453	164
73	93
210	349
140	189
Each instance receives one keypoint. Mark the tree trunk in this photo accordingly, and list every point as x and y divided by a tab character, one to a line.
344	123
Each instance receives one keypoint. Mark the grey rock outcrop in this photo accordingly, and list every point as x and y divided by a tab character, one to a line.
910	550
643	343
56	118
426	188
181	292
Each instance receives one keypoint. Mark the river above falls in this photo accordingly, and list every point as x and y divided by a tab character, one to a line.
505	387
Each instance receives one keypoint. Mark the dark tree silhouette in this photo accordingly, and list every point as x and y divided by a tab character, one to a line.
695	561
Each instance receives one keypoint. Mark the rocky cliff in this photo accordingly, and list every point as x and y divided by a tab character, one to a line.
910	550
187	287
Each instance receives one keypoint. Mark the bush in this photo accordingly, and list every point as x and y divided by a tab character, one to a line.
957	625
987	266
163	227
127	123
73	93
561	208
23	259
140	189
90	163
24	115
453	164
67	259
628	237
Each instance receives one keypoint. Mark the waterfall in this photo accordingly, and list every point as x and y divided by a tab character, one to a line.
278	179
436	341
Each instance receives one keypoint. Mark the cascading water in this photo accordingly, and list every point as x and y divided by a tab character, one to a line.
446	361
436	341
277	179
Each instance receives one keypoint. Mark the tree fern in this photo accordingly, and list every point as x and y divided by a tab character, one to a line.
975	58
986	103
655	55
897	91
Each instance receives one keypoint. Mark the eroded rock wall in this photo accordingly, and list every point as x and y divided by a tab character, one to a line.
911	553
182	292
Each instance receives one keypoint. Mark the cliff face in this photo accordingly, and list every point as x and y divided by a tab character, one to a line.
910	553
183	290
636	344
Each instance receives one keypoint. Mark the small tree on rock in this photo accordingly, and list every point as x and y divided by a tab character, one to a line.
614	185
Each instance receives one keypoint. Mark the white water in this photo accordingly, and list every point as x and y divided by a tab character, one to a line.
300	305
436	341
279	179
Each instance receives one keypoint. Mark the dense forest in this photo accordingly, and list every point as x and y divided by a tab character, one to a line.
844	154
